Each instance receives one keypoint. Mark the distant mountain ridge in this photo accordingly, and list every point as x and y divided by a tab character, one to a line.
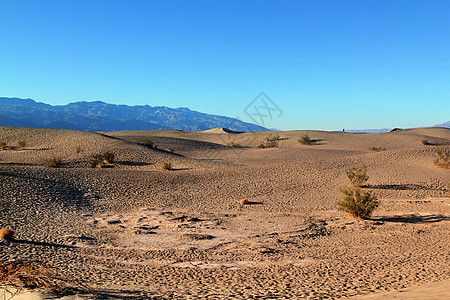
101	116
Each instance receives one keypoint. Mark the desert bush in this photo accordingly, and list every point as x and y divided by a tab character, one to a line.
358	176
148	143
425	142
22	143
3	146
108	157
442	159
6	234
26	274
101	160
54	162
78	150
305	140
234	145
358	203
167	166
270	142
377	149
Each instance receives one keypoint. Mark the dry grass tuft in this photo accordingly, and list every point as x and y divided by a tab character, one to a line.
3	146
6	234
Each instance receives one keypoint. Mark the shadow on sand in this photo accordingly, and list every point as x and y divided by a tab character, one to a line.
412	218
35	243
399	187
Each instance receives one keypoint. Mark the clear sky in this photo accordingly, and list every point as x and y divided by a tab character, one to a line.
326	64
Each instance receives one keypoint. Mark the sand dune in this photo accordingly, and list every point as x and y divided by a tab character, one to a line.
137	231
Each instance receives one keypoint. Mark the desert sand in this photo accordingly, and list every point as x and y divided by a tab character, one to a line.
136	231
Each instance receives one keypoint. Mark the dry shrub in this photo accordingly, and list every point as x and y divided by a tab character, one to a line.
78	150
3	146
167	166
6	234
357	176
442	159
377	149
234	145
54	162
244	201
271	142
22	143
101	160
148	143
34	275
359	204
425	142
305	140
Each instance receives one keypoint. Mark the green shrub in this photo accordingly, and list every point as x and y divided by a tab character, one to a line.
22	143
148	143
3	146
442	159
305	140
377	149
359	204
54	162
167	166
358	176
425	142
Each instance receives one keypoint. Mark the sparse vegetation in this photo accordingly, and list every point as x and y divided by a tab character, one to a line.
101	160
425	142
3	146
234	145
305	140
54	162
78	150
148	143
377	149
167	166
270	142
25	274
6	234
357	176
442	159
22	143
358	203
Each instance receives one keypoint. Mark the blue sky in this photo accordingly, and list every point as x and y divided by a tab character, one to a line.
326	64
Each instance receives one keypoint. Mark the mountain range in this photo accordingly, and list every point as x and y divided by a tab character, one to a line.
101	116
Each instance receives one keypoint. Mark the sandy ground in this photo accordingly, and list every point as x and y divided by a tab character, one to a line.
136	231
